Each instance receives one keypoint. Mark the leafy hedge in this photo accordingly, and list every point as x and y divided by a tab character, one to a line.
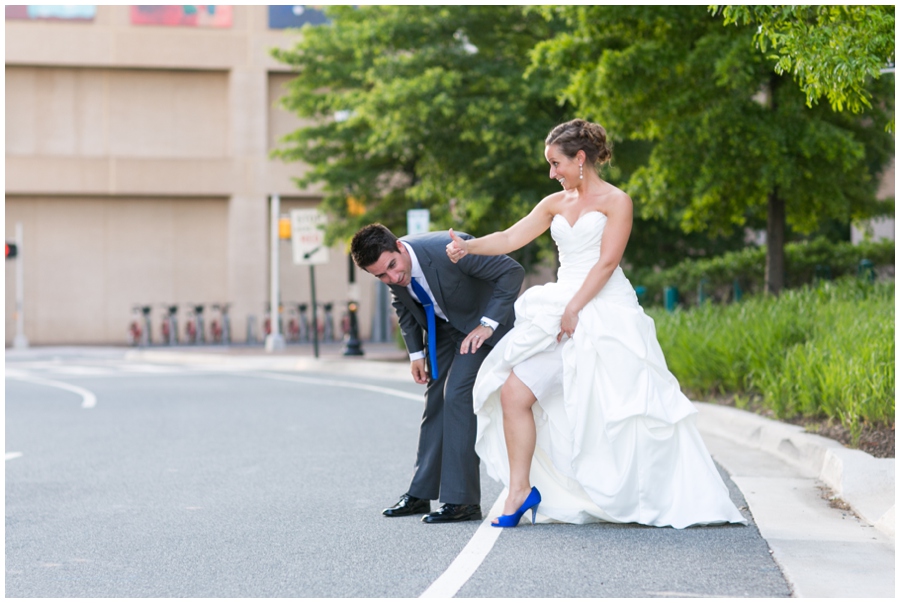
804	262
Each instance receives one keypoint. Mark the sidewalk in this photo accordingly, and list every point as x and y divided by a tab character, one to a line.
826	511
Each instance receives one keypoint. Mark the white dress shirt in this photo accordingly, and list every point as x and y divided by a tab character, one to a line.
415	272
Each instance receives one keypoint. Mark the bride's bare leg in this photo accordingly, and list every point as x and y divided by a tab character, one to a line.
516	399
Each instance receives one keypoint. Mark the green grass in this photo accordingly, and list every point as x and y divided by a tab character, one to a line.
823	351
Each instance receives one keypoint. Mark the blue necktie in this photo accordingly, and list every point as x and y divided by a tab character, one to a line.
432	330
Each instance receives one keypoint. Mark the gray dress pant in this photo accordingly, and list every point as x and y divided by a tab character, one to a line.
447	467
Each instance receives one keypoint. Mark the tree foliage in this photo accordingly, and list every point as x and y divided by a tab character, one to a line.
832	51
432	111
727	133
658	241
427	106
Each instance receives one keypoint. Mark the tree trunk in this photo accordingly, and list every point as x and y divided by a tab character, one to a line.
775	228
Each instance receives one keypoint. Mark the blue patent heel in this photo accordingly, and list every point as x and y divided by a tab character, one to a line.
511	521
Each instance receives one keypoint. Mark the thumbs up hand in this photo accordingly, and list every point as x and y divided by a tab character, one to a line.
457	248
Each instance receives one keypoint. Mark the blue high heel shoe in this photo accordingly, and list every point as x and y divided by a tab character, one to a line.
511	521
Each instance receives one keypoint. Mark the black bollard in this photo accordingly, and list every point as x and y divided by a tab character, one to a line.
353	346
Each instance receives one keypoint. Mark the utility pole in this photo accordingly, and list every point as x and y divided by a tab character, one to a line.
20	341
274	340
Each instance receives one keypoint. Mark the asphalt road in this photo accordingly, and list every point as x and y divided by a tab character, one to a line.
178	481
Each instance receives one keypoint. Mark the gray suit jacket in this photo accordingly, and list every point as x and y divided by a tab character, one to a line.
476	286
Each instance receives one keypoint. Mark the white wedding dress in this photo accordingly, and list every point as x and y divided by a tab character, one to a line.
616	437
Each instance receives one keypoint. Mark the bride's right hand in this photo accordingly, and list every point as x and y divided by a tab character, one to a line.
457	248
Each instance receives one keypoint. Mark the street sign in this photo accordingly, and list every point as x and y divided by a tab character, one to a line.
308	237
418	221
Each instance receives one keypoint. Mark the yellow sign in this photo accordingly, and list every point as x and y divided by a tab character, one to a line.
284	227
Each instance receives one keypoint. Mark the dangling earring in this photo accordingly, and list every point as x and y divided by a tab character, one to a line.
581	171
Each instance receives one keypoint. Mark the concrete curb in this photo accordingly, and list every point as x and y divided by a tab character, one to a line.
862	481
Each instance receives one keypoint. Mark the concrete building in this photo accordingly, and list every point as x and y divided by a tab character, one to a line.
137	163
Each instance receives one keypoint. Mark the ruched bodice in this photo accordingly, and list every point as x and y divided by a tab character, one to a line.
579	250
616	440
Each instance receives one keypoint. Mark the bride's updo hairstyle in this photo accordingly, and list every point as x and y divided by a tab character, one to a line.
580	135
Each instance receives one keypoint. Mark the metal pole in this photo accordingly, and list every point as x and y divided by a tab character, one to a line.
20	341
315	308
274	340
381	319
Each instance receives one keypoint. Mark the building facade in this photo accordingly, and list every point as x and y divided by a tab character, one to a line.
137	164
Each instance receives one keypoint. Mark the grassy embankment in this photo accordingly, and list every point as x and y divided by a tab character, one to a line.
823	351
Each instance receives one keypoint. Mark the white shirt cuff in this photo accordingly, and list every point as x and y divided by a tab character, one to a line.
416	355
494	324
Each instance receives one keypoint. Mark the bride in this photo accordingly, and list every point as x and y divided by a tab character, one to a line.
577	411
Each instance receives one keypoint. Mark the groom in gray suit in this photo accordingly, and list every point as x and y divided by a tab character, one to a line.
469	306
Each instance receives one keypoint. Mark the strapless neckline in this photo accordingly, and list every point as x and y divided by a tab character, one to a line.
582	216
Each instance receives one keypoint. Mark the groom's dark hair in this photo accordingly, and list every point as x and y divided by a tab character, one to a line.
370	242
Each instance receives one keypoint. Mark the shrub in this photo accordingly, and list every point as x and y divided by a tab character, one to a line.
823	351
747	268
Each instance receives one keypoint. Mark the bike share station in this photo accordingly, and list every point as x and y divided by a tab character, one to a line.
195	328
305	229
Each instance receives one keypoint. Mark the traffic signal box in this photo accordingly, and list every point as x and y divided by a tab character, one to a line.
11	251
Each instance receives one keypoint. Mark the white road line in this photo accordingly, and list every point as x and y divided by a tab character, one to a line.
12	455
335	383
469	559
88	400
88	371
151	369
474	553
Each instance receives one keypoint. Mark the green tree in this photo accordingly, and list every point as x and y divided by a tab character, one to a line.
832	51
402	113
423	106
658	242
731	142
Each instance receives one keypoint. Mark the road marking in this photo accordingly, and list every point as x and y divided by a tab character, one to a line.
88	371
12	455
469	559
149	368
335	383
88	400
474	553
679	595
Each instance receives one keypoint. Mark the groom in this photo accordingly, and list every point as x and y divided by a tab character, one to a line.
470	307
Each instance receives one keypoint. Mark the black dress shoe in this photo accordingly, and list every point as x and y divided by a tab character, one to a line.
408	505
448	513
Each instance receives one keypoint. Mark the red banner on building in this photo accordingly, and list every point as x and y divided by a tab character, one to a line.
182	15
